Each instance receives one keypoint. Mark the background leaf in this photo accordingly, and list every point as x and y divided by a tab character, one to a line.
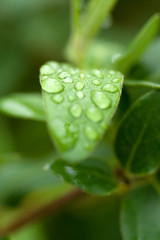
138	138
93	175
140	214
23	105
79	106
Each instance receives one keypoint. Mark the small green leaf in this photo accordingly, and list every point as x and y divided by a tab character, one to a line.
26	105
140	215
138	138
139	44
93	175
79	106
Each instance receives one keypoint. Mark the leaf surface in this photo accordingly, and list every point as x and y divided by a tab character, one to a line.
79	106
138	138
93	175
140	215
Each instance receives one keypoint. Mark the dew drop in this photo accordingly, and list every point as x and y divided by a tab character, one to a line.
71	98
79	85
97	73
70	170
67	80
63	75
80	94
94	114
82	75
52	85
90	133
46	70
76	110
58	98
110	88
100	99
116	80
96	82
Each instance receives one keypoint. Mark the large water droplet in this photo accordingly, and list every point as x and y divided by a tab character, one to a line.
100	99
116	80
63	75
52	85
90	133
110	88
96	82
97	73
79	85
67	80
94	114
80	94
71	98
58	98
76	110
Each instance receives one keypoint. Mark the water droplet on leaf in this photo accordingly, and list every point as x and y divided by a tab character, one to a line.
58	98
96	82
115	80
90	133
67	80
76	110
52	85
80	94
97	73
110	88
82	76
79	85
100	99
71	98
63	75
94	114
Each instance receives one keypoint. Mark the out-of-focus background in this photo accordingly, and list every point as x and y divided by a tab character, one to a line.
31	33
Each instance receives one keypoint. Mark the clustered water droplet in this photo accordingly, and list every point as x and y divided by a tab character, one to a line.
90	133
79	85
71	98
96	82
116	80
63	75
94	114
58	98
110	88
52	85
76	110
80	94
97	73
100	99
67	80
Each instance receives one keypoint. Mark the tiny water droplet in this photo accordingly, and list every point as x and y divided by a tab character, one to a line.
97	73
94	114
76	110
80	94
90	133
100	99
110	88
63	75
67	80
96	82
116	80
112	72
79	85
82	75
52	85
58	98
70	170
71	98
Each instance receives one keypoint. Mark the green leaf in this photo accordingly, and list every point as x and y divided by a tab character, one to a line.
79	106
140	215
125	61
93	175
23	105
138	138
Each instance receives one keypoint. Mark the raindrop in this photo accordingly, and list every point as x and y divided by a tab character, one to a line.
96	82
79	85
46	70
110	88
67	80
116	80
76	110
97	73
71	98
63	75
100	99
52	85
94	114
90	133
58	98
80	94
82	75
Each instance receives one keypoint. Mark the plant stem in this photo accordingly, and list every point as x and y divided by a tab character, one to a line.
136	83
43	211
